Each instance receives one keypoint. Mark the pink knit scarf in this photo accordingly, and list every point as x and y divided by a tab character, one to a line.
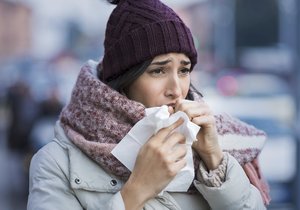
98	117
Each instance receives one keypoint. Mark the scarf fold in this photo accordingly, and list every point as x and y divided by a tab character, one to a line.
97	118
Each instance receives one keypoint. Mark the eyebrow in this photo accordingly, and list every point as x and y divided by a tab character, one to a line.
185	63
161	63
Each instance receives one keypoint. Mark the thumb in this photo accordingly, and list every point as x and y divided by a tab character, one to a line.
171	110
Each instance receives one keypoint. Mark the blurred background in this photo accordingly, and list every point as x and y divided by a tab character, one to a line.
248	67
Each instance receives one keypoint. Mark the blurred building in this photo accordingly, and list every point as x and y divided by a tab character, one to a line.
15	20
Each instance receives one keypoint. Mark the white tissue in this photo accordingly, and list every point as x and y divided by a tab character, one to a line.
156	118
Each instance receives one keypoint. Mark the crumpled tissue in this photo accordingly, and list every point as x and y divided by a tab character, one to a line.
156	118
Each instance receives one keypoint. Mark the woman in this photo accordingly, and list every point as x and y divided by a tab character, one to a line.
149	54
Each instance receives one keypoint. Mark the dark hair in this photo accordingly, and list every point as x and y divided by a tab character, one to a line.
193	91
113	1
122	82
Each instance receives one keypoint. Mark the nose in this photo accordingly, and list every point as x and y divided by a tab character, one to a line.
173	89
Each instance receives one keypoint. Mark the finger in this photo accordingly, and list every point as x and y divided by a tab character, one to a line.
174	167
182	104
164	132
193	108
170	110
205	121
178	165
178	104
174	139
178	152
197	112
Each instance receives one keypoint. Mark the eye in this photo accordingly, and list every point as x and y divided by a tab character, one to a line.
185	71
157	71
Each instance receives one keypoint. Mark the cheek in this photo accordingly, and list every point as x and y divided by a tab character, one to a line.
150	95
185	86
145	92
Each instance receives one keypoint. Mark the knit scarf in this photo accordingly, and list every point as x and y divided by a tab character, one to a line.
97	118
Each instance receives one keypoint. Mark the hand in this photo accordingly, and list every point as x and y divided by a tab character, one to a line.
207	145
158	162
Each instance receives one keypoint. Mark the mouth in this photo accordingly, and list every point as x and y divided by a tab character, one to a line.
171	105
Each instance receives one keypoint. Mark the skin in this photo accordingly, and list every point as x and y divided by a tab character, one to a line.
166	82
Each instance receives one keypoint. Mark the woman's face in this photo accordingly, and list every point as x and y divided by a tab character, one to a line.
165	81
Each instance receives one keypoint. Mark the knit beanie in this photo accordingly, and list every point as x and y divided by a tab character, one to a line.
139	30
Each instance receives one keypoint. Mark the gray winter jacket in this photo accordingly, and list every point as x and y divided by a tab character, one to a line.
62	177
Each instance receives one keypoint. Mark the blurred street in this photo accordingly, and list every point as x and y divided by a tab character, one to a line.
13	182
248	66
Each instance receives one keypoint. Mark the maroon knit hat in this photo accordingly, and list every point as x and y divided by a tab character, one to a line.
139	30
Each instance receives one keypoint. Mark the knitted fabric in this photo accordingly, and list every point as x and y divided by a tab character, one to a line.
97	118
139	30
253	172
213	178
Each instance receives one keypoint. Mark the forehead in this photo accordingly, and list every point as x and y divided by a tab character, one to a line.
171	56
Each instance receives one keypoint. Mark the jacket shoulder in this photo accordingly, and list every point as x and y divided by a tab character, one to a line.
52	158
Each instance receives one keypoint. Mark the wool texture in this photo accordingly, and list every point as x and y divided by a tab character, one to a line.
139	30
213	178
97	118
